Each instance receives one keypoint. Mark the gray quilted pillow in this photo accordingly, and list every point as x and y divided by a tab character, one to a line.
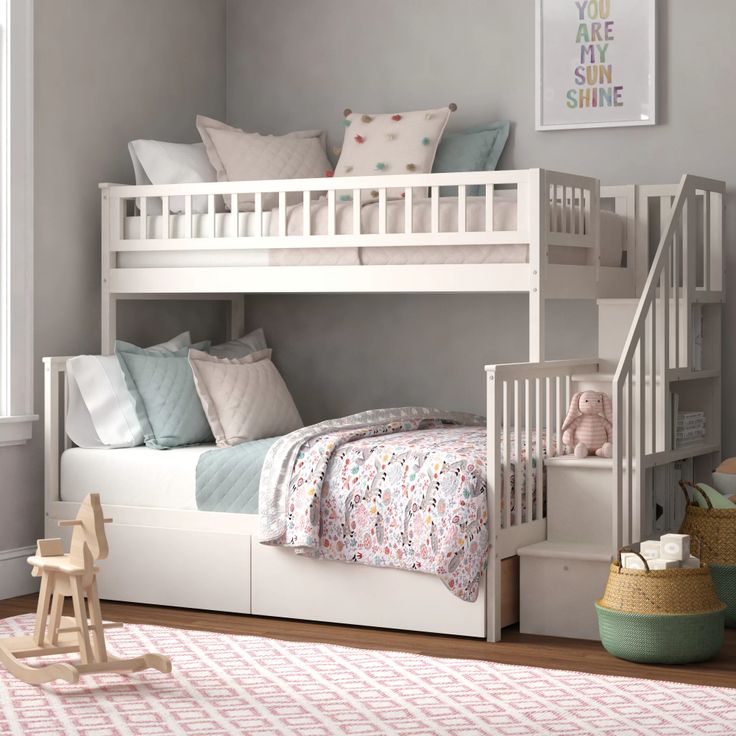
166	399
242	346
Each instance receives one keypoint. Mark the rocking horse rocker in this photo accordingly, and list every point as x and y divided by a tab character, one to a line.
71	575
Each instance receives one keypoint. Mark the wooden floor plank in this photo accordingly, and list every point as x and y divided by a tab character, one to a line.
516	648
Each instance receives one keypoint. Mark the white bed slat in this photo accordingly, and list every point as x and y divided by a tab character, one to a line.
435	210
517	452
143	219
409	210
628	497
307	213
581	212
706	240
506	485
234	213
282	213
259	214
653	376
357	225
541	384
550	416
211	210
188	216
461	209
489	208
529	442
166	218
677	255
382	211
331	212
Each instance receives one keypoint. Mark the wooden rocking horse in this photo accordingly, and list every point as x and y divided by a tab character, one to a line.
71	575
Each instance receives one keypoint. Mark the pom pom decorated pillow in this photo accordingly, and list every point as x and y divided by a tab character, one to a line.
390	143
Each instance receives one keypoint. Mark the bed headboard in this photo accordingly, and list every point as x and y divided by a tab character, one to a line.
55	437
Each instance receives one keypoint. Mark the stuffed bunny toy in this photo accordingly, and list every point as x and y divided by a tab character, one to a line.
587	427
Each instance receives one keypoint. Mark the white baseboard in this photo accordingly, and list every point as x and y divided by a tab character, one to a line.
15	573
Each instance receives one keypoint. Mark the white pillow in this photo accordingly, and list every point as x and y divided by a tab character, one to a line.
240	156
101	411
390	143
244	399
157	162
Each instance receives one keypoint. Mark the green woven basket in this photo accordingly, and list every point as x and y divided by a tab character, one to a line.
661	638
724	578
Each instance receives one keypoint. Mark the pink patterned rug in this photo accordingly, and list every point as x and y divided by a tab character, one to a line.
240	685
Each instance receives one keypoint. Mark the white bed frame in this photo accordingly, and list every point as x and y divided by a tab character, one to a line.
165	550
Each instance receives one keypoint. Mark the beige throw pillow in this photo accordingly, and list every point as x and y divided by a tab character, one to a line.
239	156
390	143
244	399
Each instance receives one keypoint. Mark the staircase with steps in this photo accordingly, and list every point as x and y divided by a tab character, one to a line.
656	354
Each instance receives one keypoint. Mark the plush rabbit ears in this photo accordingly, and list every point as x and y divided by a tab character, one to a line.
607	407
573	411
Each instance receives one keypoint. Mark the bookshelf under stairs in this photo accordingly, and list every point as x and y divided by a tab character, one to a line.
658	355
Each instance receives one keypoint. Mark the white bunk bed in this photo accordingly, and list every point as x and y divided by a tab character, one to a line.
549	225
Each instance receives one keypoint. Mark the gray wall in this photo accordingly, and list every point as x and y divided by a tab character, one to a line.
106	71
297	65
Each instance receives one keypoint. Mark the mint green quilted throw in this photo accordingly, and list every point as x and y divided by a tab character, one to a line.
165	396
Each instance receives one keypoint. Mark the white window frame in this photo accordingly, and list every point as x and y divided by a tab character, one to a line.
16	221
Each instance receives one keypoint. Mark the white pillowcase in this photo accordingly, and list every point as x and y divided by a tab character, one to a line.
390	143
101	411
157	162
240	156
244	399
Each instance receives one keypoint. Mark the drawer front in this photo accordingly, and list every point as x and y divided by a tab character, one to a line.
176	567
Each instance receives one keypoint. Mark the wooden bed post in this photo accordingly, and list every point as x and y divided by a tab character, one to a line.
538	225
108	315
236	317
493	472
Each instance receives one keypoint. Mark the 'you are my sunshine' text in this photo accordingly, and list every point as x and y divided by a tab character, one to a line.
593	75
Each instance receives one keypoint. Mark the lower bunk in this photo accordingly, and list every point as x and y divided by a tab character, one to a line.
400	499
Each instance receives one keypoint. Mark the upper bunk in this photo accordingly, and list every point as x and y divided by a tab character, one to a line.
532	230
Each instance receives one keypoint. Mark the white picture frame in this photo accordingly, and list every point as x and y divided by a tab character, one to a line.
617	85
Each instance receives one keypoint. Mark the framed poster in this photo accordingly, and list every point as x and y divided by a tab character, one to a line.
595	63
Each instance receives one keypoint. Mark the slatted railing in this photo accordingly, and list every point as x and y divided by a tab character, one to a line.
527	405
331	212
687	269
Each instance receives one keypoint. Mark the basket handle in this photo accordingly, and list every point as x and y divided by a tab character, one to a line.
700	548
633	551
684	484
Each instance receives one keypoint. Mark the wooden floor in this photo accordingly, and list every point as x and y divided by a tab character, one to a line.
516	648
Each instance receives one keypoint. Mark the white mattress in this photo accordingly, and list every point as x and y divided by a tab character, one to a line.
134	476
612	234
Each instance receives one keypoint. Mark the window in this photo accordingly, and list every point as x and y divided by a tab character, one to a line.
16	221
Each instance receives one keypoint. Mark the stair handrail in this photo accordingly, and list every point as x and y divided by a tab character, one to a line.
622	452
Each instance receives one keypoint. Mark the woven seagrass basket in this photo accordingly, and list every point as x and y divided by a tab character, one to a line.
716	530
661	616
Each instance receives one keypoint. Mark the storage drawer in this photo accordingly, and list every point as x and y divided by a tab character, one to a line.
176	567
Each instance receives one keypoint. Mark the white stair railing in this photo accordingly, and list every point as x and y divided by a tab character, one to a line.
687	269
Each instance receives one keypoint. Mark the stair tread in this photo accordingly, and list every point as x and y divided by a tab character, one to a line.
595	551
571	461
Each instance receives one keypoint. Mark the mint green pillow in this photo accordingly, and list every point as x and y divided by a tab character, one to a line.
477	149
166	399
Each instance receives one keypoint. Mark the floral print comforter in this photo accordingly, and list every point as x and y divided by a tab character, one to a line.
408	493
415	499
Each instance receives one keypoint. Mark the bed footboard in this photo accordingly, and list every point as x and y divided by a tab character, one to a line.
527	404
